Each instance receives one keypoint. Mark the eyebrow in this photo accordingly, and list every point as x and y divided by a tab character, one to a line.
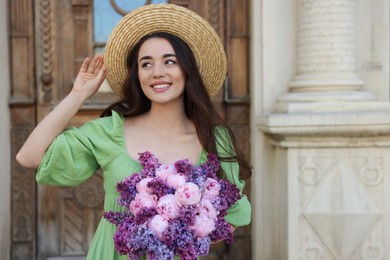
164	56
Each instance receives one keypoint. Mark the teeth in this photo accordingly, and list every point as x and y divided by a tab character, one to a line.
161	86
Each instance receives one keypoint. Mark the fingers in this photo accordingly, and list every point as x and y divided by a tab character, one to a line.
99	65
101	75
84	66
95	65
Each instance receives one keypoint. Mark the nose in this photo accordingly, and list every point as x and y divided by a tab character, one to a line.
159	70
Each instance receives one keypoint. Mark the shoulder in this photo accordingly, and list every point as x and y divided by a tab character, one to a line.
107	121
105	126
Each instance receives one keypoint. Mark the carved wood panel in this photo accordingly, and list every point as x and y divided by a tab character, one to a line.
23	188
67	217
80	211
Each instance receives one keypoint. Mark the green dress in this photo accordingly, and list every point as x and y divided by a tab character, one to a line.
77	153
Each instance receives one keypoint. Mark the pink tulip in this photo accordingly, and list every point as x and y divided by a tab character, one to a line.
187	194
167	207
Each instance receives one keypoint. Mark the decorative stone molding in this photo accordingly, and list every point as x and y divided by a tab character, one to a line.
372	249
311	249
338	206
376	57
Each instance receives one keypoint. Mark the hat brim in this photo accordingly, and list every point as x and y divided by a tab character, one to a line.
182	22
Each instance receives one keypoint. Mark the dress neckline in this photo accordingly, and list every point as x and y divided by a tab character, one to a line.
131	158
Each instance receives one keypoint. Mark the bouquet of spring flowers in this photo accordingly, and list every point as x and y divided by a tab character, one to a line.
172	209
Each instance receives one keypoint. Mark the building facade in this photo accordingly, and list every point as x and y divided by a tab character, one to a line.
320	129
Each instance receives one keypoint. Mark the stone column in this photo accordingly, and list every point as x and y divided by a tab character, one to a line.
326	46
326	67
326	185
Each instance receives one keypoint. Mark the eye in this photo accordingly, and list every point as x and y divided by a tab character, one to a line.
170	62
145	64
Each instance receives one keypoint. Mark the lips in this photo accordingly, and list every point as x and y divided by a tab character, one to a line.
160	85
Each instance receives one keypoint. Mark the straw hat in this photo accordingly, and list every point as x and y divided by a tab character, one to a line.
182	22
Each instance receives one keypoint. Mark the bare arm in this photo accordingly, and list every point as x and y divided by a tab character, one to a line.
88	81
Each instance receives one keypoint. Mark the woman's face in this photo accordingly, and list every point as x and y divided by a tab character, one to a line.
161	78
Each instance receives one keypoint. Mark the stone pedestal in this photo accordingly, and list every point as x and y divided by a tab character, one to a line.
329	189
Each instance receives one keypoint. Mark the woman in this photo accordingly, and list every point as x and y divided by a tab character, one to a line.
165	72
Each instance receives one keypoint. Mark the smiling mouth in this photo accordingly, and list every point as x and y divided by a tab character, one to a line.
159	86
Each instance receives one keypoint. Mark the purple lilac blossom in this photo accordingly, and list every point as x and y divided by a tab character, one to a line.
228	195
121	237
115	217
185	167
143	240
220	205
145	215
229	192
149	164
159	187
183	239
211	166
157	251
203	245
127	189
222	231
198	176
187	214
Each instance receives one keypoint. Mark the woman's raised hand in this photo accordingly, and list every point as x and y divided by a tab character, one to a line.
88	81
90	77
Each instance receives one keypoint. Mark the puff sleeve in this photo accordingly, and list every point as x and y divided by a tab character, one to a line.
77	153
68	161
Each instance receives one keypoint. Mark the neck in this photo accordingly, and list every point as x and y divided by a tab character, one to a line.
169	117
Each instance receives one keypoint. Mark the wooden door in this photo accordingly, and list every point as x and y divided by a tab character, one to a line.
50	39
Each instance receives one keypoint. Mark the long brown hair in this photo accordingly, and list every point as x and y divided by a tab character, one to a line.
197	103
